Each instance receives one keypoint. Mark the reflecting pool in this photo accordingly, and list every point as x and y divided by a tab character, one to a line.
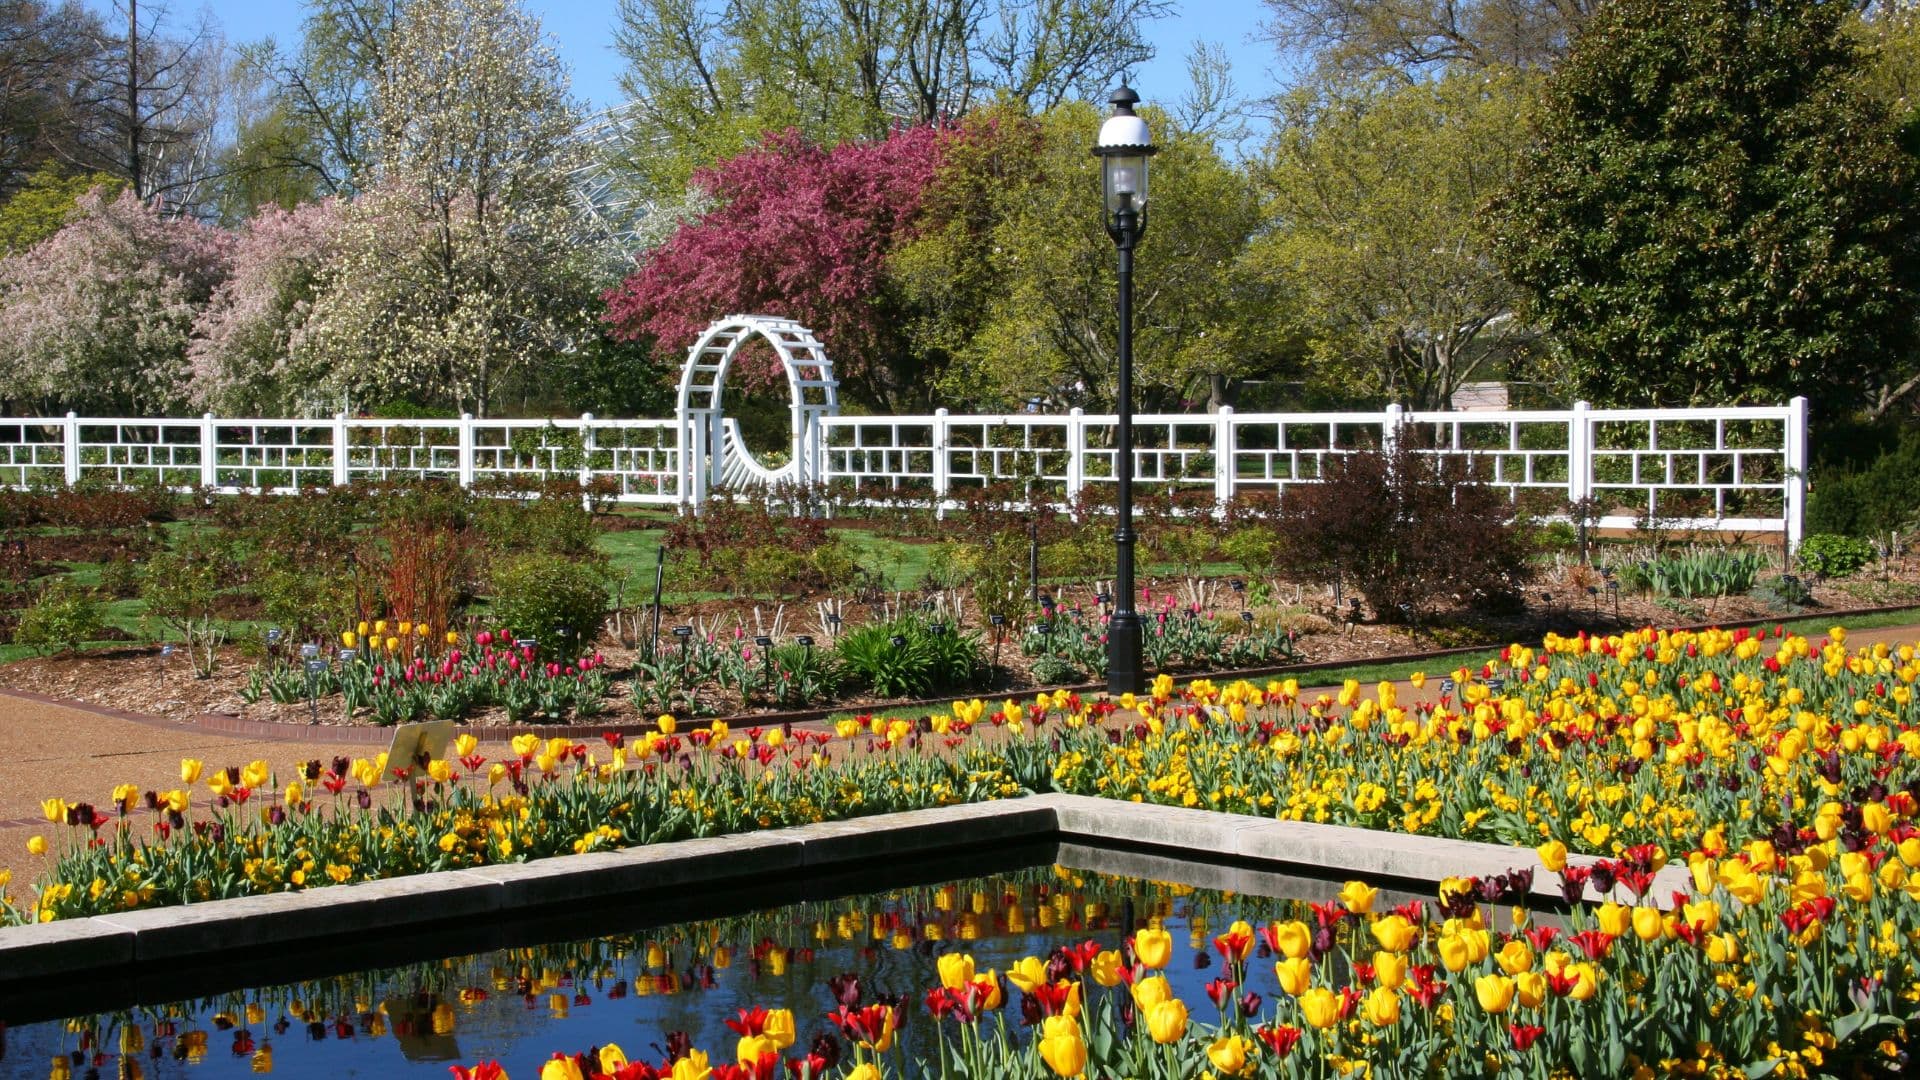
641	987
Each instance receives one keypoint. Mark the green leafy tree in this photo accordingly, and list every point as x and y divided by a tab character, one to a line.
1412	37
49	200
1373	189
709	80
1012	277
1711	210
322	124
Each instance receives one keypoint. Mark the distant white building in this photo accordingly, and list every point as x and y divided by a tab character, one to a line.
1480	397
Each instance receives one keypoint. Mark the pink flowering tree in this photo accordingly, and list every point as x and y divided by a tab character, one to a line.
97	317
802	232
247	352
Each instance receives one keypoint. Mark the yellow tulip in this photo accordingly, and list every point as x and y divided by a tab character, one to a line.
956	970
612	1058
1454	952
36	846
781	1028
561	1069
1615	919
1514	957
1296	974
1062	1047
1151	991
1389	969
1586	981
1321	1007
750	1048
692	1067
1167	1021
1230	1054
1394	933
1358	897
1028	973
1553	855
1647	923
1383	1006
1294	939
1106	968
1494	992
349	639
666	723
864	1071
1723	949
1531	988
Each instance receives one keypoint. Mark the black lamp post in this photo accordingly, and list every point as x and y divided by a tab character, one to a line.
1123	149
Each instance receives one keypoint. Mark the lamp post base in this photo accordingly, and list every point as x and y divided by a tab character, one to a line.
1124	675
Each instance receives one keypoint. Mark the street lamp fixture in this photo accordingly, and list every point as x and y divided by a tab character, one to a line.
1123	149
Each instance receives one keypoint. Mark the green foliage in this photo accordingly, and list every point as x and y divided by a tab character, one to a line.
62	618
907	658
1376	187
181	586
1867	498
1783	592
1694	573
835	72
1012	274
1832	555
558	600
1712	211
47	202
1253	548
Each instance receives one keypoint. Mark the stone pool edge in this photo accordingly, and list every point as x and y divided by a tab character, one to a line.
171	935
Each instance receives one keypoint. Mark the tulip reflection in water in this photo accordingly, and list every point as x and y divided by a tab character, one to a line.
694	976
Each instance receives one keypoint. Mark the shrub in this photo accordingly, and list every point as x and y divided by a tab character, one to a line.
548	517
308	602
181	588
62	618
907	658
1783	592
551	598
1253	548
1832	555
119	577
1407	529
1868	499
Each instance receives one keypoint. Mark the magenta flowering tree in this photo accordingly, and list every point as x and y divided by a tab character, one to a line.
97	317
247	351
804	232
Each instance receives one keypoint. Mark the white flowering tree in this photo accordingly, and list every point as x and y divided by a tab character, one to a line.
97	316
248	352
464	267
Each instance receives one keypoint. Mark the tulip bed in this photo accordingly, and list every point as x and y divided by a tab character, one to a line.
1781	770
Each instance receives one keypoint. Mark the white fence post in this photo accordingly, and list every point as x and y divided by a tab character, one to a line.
340	449
466	450
70	451
1223	456
1796	467
1390	427
1076	453
1579	453
209	445
940	480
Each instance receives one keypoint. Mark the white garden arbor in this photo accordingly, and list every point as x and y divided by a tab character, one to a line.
714	454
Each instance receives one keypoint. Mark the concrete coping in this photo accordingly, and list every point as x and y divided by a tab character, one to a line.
215	930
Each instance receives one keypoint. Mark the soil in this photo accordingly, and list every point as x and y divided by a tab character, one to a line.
144	680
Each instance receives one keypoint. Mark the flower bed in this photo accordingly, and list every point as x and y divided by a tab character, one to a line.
1780	770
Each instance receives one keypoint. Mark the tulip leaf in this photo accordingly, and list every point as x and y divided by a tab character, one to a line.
1761	1068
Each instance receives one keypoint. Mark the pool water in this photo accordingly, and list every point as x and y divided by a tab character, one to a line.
520	1005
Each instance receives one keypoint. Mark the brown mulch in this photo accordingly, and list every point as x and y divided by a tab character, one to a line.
142	680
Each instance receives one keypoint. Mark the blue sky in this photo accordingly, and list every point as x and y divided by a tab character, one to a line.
583	29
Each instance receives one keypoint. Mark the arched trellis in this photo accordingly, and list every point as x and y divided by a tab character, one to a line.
711	450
